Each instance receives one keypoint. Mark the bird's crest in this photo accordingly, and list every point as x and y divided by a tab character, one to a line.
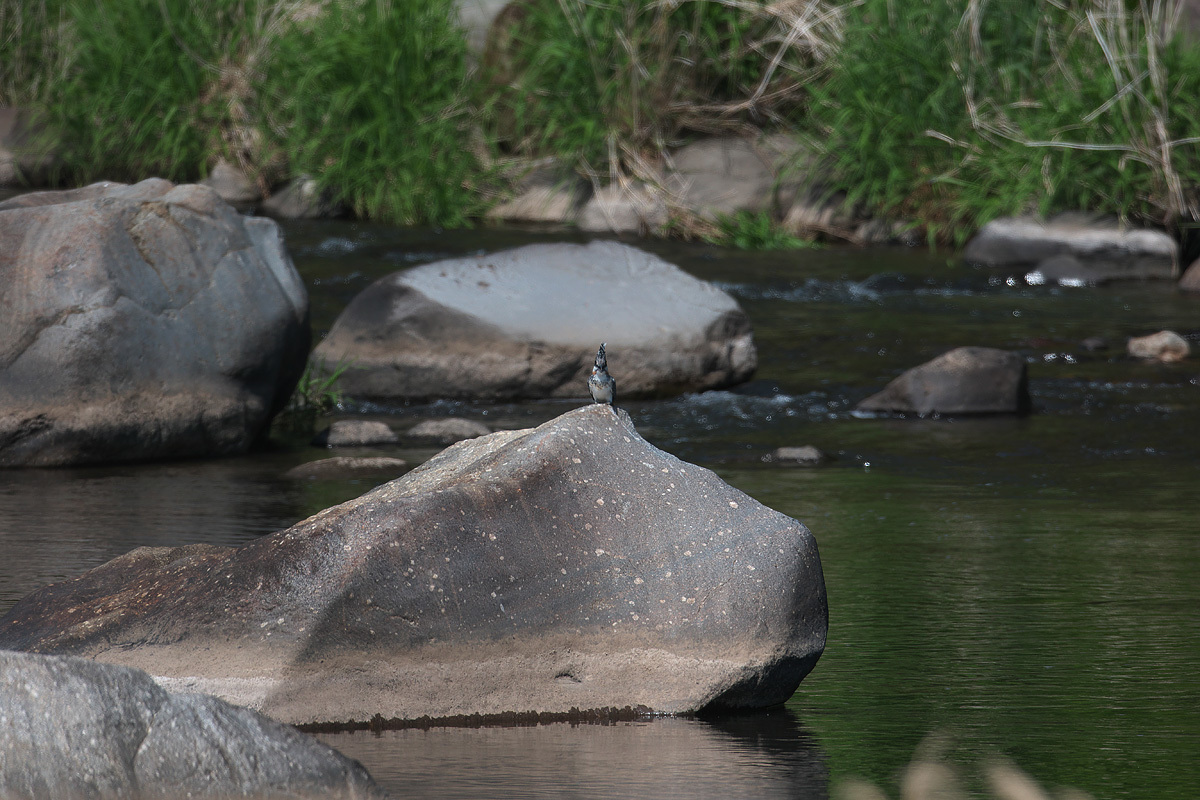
601	359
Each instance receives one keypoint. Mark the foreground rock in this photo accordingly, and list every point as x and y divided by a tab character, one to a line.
1165	346
570	566
1109	251
525	323
72	728
144	321
967	380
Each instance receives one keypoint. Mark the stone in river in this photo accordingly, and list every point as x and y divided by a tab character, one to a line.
1165	346
1109	250
446	431
966	380
526	323
356	433
141	322
73	728
569	566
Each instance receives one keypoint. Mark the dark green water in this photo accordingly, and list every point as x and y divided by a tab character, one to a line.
1026	587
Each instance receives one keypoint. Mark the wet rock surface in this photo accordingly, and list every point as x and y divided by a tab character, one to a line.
966	380
1108	250
525	323
346	467
570	566
144	321
73	728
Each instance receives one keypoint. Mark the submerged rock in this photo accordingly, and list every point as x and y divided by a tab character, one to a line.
446	431
1165	346
144	321
72	728
966	380
569	566
525	323
356	433
803	456
1110	250
345	467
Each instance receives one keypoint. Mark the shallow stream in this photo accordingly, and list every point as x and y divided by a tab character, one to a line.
1024	587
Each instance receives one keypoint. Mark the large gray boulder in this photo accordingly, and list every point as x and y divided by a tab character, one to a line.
569	566
966	380
1110	250
143	321
526	323
73	728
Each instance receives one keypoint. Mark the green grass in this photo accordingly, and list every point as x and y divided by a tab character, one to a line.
1015	106
749	230
370	98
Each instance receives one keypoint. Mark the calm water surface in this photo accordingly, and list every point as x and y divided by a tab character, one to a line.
1024	587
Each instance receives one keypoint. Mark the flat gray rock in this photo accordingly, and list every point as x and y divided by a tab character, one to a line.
1111	250
966	380
569	566
803	456
73	728
526	323
144	321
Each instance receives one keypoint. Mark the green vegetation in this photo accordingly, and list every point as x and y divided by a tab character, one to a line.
748	230
946	112
315	395
954	114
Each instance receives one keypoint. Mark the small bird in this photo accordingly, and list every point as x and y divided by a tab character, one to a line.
604	388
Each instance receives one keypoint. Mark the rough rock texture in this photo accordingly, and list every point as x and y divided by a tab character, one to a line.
356	433
967	380
72	728
144	321
1112	251
573	565
1165	346
526	323
345	467
446	431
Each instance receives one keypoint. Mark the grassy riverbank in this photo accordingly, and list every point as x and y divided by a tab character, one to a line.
944	112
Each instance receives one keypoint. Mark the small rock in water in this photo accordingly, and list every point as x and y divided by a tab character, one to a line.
1094	343
345	466
356	433
1165	346
804	456
966	380
446	431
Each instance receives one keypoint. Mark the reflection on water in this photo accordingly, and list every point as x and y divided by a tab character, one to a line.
1027	586
764	756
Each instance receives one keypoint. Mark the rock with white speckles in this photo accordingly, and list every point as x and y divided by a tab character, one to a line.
142	322
73	728
526	323
569	566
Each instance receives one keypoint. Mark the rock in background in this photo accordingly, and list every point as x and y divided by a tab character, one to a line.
570	566
72	728
144	321
526	323
1109	250
966	380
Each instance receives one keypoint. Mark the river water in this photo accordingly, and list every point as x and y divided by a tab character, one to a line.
1018	587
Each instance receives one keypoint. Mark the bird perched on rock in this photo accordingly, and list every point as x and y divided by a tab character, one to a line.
602	385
